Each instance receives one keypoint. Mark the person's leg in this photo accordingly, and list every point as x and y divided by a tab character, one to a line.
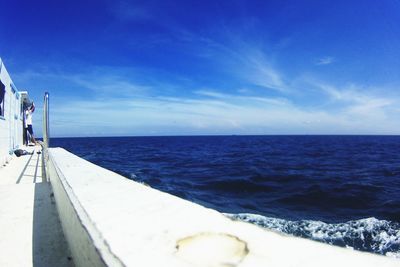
27	136
30	130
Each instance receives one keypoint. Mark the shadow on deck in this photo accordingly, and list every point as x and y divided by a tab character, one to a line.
49	247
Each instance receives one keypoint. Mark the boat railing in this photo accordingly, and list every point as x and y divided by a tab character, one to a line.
46	134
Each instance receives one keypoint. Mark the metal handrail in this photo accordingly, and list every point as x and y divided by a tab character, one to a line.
46	128
46	135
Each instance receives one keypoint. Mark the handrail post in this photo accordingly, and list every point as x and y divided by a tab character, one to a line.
46	135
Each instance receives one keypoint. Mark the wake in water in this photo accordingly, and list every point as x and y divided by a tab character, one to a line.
370	234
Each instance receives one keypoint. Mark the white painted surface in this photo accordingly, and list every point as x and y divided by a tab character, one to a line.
110	220
10	123
30	231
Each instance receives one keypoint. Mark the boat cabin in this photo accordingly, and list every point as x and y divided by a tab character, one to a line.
13	103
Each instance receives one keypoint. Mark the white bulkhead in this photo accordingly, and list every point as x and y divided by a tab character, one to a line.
11	115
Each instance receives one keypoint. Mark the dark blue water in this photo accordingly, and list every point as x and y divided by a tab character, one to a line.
343	190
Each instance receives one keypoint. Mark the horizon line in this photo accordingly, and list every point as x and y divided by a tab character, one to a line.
221	135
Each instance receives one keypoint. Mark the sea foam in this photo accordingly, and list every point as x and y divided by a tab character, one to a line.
369	234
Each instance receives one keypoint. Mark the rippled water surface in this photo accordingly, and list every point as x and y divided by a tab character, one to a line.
343	190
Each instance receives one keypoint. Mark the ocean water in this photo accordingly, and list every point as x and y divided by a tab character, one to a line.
341	190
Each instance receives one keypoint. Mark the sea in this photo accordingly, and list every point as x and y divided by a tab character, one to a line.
340	190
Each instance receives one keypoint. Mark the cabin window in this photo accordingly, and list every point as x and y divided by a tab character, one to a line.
2	93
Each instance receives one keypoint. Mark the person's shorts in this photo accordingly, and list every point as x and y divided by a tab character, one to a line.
30	129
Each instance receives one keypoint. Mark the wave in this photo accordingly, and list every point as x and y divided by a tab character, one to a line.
369	234
236	186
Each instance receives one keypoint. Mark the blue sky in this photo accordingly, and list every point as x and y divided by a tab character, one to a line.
207	67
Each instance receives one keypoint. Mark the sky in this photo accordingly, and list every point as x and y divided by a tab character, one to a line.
122	68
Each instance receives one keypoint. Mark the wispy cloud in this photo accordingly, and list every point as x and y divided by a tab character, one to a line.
210	112
355	95
120	104
110	85
174	114
236	57
252	64
228	52
205	73
123	102
366	109
100	81
262	73
245	99
324	61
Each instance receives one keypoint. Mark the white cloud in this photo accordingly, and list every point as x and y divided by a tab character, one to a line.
356	96
252	100
266	76
252	64
238	58
110	85
217	113
366	110
325	61
123	104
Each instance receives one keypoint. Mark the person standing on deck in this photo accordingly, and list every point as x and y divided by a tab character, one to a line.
28	122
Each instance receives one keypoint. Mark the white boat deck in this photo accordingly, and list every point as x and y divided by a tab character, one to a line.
31	233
